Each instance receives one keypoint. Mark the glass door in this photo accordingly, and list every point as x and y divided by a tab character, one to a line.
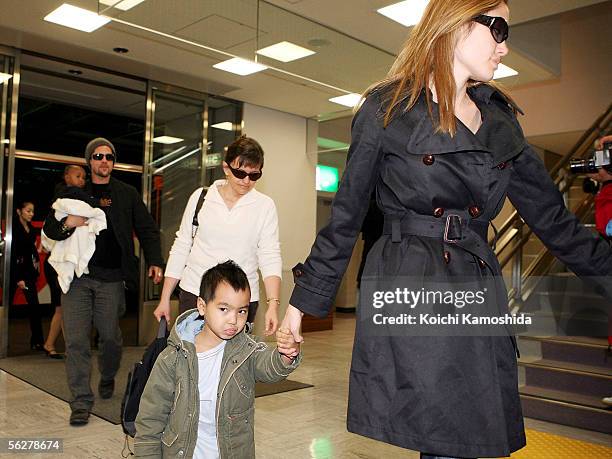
9	91
186	134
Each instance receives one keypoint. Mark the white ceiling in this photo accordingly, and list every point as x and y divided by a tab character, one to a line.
357	45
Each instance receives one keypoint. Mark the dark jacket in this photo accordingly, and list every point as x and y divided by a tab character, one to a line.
167	421
25	259
450	396
128	214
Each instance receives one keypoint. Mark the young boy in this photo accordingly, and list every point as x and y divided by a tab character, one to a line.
198	401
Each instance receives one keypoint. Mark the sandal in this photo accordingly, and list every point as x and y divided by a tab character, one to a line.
53	354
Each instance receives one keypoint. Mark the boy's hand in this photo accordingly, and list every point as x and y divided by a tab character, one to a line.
286	343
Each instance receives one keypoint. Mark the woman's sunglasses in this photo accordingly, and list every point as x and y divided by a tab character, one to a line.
240	174
100	156
497	25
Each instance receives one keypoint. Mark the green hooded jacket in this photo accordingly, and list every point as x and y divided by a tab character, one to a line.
167	421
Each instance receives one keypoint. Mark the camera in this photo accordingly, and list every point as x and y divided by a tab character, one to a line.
599	160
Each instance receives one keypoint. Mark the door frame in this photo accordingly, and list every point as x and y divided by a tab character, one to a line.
7	161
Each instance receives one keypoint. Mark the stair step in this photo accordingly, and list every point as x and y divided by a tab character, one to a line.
568	377
572	367
590	351
563	396
600	343
570	414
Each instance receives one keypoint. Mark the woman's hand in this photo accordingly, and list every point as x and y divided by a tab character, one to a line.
162	310
22	285
271	319
292	322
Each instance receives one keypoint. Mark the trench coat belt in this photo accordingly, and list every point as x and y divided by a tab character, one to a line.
452	229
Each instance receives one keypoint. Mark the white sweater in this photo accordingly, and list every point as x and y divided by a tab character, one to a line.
246	234
71	256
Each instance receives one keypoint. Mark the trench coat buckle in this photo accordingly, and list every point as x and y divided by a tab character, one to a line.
452	229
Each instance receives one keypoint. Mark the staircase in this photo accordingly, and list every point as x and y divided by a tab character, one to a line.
567	383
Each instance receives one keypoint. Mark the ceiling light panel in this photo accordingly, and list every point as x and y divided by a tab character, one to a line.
407	13
285	51
348	100
167	139
240	66
77	18
4	77
226	126
121	5
503	71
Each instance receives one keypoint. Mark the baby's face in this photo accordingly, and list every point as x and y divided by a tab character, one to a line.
75	177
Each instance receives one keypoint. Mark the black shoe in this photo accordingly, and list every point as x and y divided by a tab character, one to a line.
106	388
79	417
37	347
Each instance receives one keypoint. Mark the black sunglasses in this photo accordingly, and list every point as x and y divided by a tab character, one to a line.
240	174
101	156
497	25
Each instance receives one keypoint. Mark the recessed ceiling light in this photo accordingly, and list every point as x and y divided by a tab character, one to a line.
504	71
4	77
240	66
120	50
77	18
348	100
121	5
167	140
407	13
285	51
226	126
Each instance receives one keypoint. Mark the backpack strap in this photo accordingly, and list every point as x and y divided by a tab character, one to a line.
194	223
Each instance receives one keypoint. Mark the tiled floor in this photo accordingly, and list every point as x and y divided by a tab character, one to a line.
308	423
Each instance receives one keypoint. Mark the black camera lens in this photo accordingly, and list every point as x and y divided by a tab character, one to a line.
583	166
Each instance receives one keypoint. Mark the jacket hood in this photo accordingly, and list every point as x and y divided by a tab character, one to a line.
188	325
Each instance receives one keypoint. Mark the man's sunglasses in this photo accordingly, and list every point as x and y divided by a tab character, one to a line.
240	174
100	156
497	25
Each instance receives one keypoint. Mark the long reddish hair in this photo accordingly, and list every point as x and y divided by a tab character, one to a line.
427	55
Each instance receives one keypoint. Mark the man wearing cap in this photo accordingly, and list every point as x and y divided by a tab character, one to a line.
99	296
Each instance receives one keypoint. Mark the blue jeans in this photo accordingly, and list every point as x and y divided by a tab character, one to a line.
89	300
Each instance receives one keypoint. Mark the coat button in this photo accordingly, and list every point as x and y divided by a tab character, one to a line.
298	273
447	256
482	263
428	160
438	212
501	165
474	211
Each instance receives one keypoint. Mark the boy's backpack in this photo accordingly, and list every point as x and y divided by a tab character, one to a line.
137	379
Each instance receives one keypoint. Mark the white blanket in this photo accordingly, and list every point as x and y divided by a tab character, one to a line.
71	256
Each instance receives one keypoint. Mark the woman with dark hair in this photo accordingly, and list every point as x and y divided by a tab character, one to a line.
25	269
235	222
442	148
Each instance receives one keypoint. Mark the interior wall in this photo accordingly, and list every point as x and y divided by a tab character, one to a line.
289	144
583	91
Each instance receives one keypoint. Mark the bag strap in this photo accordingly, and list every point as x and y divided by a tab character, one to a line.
195	225
163	328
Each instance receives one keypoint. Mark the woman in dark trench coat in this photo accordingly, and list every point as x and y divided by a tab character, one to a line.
442	395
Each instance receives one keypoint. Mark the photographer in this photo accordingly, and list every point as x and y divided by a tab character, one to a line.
603	200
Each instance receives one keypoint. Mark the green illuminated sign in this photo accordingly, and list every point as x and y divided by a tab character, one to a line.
327	178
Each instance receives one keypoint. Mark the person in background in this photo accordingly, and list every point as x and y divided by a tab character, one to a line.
99	296
25	269
245	229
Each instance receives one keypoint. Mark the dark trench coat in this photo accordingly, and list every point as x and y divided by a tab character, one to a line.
454	396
